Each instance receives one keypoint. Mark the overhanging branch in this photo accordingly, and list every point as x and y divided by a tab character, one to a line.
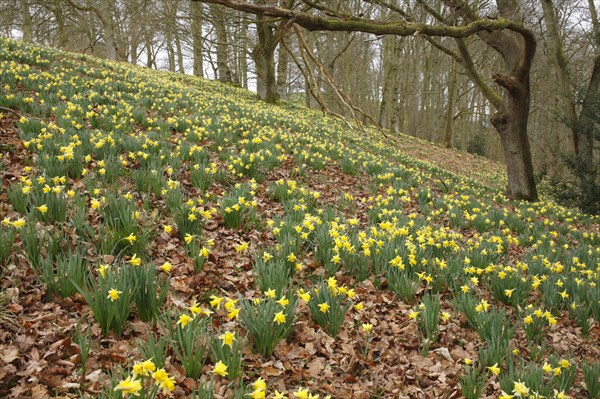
314	22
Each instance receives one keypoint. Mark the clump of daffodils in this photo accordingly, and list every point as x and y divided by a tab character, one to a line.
144	378
329	304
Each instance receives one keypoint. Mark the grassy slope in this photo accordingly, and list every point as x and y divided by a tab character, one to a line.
451	230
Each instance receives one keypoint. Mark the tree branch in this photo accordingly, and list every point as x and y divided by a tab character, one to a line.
389	6
310	80
326	10
443	49
467	62
356	24
432	12
9	110
343	97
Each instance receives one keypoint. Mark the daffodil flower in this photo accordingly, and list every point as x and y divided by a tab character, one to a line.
220	369
129	386
131	238
228	338
113	294
184	319
279	318
135	261
494	369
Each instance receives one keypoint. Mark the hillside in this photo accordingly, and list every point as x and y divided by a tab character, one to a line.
157	217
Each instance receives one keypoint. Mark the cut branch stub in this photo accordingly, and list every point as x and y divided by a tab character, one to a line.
508	82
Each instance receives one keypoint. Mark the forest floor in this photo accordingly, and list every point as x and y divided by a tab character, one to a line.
380	232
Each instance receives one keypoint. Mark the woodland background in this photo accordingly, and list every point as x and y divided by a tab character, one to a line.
405	84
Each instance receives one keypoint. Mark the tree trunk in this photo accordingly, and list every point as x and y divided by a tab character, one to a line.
60	26
563	96
222	46
585	127
109	33
136	14
134	53
390	76
179	54
512	110
263	55
243	54
397	117
449	119
282	68
511	125
149	57
26	26
170	50
197	38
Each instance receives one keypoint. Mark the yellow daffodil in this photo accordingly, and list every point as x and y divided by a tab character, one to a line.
129	386
520	390
301	393
160	375
228	338
242	247
259	383
184	319
167	385
258	394
113	294
19	223
305	296
131	238
230	304
494	369
102	270
166	267
283	301
220	369
233	313
412	315
144	368
215	301
135	261
279	318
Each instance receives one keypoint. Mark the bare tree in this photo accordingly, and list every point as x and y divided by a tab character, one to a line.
106	16
26	25
218	20
197	38
510	39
